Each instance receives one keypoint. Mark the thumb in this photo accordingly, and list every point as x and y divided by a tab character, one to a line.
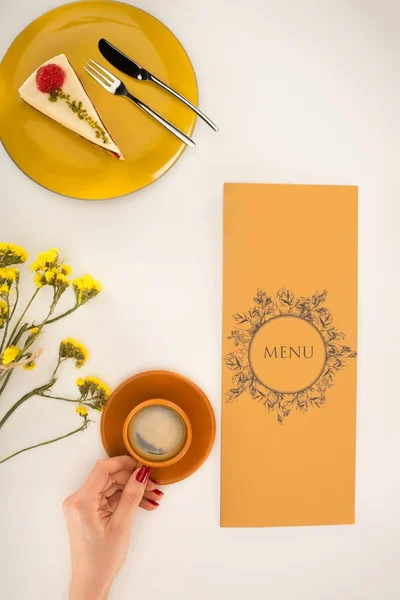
131	497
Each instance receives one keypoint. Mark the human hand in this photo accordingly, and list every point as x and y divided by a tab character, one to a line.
99	518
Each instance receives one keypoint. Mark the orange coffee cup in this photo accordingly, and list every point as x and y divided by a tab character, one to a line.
146	456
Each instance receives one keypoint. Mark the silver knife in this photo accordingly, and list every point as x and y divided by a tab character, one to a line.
128	66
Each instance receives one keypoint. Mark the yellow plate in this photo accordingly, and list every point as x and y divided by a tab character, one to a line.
57	158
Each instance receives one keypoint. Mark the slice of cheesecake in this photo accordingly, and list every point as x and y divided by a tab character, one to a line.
55	90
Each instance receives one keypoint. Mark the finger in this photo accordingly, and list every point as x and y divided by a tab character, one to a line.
103	469
119	480
115	498
149	504
131	498
104	505
121	476
151	485
156	495
115	487
116	482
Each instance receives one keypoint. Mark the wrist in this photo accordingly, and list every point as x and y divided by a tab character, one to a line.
88	590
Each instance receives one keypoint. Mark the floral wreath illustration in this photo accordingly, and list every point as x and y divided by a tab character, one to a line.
311	309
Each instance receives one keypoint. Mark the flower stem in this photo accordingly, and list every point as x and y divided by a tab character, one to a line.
6	380
58	398
20	333
6	327
11	371
30	341
16	301
60	360
85	402
35	392
22	316
64	314
81	428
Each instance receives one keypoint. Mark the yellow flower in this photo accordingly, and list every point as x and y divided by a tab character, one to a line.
33	333
70	348
61	279
10	354
11	254
8	275
50	275
86	288
94	390
3	308
45	260
65	269
49	271
29	366
3	313
40	280
99	385
82	411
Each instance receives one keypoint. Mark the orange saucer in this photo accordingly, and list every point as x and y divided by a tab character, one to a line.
169	386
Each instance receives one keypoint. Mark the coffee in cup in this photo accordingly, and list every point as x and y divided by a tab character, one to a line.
157	433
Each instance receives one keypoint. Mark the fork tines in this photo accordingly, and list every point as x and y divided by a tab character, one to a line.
115	86
106	79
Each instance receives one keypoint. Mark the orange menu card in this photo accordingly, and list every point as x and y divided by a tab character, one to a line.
289	355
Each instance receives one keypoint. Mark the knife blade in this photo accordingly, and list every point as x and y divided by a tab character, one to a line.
124	63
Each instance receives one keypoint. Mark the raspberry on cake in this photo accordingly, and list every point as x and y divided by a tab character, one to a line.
55	90
50	77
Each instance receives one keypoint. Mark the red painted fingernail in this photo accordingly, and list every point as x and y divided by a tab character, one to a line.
153	502
158	492
143	474
155	481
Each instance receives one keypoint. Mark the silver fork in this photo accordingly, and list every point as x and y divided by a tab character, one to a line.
115	86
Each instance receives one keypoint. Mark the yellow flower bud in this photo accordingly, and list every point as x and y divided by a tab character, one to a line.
29	366
82	410
10	354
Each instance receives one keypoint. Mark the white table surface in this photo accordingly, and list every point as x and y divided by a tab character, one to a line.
304	91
